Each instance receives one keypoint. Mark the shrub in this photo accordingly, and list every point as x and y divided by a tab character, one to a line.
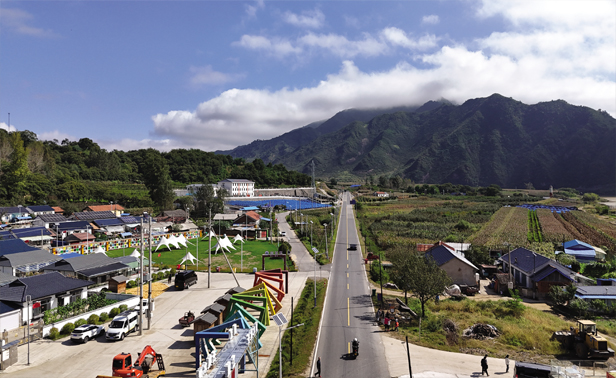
54	334
130	284
80	322
67	329
173	270
434	324
114	312
123	308
104	317
579	307
93	319
160	276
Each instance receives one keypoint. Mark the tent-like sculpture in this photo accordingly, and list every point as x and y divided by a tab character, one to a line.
211	234
237	238
224	243
99	249
163	242
136	254
189	257
182	240
173	240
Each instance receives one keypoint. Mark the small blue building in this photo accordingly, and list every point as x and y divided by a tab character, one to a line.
583	252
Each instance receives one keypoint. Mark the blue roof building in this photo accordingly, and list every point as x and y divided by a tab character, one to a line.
583	252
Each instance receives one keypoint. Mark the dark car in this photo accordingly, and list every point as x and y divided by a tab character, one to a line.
352	247
185	279
531	370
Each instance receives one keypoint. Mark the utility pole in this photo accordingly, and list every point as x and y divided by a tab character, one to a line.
150	300
209	257
141	283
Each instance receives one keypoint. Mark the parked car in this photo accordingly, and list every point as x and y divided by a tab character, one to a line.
531	370
352	247
185	279
122	325
86	332
283	233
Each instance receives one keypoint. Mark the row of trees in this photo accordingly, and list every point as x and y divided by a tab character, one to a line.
36	172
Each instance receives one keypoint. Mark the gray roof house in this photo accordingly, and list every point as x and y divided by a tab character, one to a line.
460	270
96	267
603	293
46	291
21	263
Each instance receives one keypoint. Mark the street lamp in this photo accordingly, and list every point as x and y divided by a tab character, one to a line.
316	252
326	251
301	223
333	226
311	234
510	284
280	321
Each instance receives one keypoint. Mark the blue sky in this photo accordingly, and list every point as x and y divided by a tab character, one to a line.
217	74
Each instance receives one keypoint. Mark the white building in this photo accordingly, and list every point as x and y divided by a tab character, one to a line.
238	187
193	188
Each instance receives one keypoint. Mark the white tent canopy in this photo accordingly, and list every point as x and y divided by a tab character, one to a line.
163	242
99	249
136	254
210	235
189	257
237	238
224	243
173	240
182	240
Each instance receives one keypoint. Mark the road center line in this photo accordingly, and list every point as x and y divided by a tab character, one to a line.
349	311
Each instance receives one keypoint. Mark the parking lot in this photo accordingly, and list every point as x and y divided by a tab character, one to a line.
63	358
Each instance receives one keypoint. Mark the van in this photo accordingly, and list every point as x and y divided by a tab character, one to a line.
185	279
531	370
122	325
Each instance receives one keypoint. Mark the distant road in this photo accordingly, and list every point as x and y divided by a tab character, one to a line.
348	312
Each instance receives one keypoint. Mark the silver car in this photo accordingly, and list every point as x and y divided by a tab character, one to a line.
86	332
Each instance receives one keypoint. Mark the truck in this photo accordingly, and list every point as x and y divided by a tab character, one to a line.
122	365
584	341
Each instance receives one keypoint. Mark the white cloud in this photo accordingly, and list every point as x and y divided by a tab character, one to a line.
207	76
6	127
18	21
398	37
368	46
431	19
308	19
251	10
57	135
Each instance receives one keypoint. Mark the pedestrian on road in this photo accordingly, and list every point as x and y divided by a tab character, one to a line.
397	324
386	323
507	363
169	279
484	365
318	373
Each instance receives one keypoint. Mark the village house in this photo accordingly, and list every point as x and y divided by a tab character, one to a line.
458	268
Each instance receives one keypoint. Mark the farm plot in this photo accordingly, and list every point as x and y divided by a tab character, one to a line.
552	230
508	224
589	234
597	223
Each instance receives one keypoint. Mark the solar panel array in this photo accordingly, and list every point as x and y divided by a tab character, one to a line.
131	219
554	209
6	235
52	218
289	204
30	232
108	222
93	215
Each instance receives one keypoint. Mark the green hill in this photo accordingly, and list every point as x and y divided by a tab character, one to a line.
493	140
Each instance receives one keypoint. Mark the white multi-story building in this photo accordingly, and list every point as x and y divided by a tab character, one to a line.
238	187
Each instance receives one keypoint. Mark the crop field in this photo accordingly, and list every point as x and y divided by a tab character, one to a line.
423	220
508	224
589	234
552	229
609	229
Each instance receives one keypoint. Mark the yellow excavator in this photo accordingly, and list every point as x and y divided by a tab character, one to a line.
585	341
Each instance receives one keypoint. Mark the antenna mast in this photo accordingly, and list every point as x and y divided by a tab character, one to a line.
314	186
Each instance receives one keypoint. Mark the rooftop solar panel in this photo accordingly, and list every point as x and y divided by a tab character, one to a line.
92	215
30	232
131	219
108	222
54	218
6	235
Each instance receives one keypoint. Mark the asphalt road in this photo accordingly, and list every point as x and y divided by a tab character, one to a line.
349	313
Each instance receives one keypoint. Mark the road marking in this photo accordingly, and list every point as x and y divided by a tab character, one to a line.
348	311
347	286
347	266
349	348
347	275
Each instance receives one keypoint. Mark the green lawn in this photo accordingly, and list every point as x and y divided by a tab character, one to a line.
251	256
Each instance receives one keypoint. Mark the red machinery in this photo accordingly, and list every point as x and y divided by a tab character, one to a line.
122	364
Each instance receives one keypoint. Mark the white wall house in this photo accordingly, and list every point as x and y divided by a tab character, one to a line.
193	188
238	187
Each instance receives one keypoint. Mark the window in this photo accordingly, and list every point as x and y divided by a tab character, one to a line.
45	305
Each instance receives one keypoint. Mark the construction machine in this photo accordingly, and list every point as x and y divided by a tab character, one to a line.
123	367
585	341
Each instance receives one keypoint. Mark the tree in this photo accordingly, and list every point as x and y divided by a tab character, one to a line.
15	171
590	197
333	182
157	179
493	190
425	279
401	259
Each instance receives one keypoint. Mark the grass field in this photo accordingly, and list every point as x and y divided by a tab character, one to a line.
242	261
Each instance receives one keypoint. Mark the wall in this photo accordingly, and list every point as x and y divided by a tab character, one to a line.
459	272
9	320
129	300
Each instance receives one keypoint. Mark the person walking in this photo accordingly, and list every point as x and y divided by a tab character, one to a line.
484	365
507	363
318	373
169	279
386	321
397	324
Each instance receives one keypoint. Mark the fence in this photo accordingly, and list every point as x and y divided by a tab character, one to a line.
578	368
86	248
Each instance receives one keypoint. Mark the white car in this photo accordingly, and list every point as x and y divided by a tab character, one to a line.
86	332
283	233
